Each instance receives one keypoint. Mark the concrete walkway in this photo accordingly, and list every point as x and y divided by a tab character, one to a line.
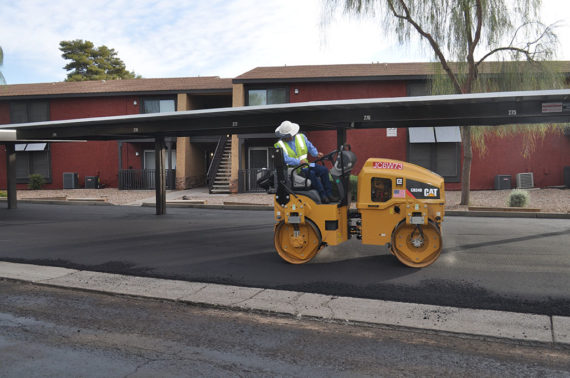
480	323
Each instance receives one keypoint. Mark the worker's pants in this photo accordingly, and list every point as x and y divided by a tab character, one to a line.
319	176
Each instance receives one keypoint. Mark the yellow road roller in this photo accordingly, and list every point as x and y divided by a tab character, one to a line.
399	204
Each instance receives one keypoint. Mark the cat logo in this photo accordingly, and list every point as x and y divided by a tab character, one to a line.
430	192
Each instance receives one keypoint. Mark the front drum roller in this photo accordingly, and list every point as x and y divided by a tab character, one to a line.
297	243
416	246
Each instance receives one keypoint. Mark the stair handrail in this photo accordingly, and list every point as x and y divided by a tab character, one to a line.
216	160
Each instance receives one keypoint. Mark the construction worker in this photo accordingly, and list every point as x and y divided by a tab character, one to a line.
296	148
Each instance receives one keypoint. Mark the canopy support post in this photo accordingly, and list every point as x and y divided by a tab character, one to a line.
159	175
11	175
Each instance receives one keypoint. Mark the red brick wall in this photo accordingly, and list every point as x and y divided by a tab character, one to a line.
504	157
346	90
86	107
503	154
4	113
365	143
86	158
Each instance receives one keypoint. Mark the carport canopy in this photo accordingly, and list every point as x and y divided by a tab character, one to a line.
495	108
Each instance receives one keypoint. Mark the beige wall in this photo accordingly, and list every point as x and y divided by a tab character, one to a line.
238	99
190	163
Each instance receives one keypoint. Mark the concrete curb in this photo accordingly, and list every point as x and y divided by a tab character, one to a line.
72	202
244	206
480	323
506	214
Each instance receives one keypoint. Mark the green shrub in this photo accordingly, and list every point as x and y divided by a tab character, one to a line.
518	198
3	193
36	181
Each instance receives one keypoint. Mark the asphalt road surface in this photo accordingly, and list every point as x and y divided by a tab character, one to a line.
53	332
510	264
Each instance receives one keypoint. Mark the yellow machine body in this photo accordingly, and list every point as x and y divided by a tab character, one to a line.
330	219
391	191
399	204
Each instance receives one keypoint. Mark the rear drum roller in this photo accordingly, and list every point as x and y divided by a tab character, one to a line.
297	243
416	246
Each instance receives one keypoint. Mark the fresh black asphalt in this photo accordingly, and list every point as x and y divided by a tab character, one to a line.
520	265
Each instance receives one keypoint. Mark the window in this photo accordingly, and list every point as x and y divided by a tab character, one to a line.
381	189
149	161
437	149
158	105
32	158
21	112
268	96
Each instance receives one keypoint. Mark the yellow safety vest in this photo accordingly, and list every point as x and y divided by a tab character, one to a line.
301	152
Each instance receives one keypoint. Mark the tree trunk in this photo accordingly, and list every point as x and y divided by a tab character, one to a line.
467	159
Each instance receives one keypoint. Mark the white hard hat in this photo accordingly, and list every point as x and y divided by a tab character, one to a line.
287	129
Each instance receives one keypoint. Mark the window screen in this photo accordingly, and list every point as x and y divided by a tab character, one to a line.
277	96
21	112
267	96
257	97
442	158
437	149
421	154
32	162
38	111
447	156
159	105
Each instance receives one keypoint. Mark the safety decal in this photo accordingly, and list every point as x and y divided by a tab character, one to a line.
421	190
387	165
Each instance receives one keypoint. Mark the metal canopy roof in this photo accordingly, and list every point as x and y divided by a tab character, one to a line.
449	110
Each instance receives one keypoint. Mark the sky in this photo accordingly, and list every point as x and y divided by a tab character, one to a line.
159	39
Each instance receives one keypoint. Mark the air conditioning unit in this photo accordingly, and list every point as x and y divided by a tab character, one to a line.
70	180
502	182
91	182
525	180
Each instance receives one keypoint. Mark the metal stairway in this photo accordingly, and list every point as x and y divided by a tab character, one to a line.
220	179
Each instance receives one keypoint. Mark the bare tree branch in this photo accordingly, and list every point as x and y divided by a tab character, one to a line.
527	53
430	39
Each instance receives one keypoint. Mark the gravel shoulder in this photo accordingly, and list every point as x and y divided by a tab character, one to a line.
547	200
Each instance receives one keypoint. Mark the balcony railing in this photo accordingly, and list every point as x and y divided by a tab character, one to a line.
144	179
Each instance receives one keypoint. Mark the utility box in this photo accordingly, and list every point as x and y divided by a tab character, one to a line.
525	180
70	180
91	182
567	176
502	182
